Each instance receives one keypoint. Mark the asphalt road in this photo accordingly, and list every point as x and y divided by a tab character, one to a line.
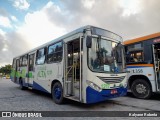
12	98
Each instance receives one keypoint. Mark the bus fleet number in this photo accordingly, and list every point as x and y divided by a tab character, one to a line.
137	70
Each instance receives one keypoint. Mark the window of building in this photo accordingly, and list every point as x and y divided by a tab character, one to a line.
54	53
40	59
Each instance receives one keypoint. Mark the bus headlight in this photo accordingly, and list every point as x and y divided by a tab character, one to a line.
94	86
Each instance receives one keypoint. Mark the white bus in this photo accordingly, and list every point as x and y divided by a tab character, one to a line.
143	64
85	65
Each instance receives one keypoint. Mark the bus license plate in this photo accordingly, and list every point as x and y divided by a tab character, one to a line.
113	91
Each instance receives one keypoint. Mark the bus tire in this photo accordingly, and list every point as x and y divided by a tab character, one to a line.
141	89
57	93
21	85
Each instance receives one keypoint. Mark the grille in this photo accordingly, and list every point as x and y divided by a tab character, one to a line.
111	80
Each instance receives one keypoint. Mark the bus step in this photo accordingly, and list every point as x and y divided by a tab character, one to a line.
129	90
73	98
76	87
69	75
68	81
30	88
68	95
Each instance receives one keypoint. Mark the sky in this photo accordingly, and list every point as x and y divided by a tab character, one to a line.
26	24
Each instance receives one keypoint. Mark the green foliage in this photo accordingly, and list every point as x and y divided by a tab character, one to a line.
6	70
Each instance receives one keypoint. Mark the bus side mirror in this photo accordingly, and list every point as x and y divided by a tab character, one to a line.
89	41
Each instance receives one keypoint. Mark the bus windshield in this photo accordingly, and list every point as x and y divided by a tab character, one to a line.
103	56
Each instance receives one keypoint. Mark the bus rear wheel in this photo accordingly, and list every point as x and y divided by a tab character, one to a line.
21	85
141	89
57	93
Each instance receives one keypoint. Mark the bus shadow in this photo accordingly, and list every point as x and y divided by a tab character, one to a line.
90	107
155	96
73	103
40	93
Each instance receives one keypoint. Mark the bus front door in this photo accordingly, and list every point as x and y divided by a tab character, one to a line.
31	70
73	69
156	57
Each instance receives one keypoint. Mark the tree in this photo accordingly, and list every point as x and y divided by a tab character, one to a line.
6	69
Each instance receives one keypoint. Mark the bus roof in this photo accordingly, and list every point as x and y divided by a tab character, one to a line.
79	30
142	38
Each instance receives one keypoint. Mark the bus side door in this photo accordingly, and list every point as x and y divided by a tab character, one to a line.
31	70
156	58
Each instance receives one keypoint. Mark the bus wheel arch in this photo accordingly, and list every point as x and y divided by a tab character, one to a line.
57	92
141	83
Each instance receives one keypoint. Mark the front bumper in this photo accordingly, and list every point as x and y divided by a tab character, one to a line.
93	96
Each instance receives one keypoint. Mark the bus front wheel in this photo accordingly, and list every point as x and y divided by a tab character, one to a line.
141	89
57	93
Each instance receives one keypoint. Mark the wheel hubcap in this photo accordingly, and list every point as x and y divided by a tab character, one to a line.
57	93
140	88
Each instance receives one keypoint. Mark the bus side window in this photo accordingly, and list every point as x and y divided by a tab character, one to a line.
14	63
20	62
135	56
41	55
31	62
24	60
17	65
54	53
